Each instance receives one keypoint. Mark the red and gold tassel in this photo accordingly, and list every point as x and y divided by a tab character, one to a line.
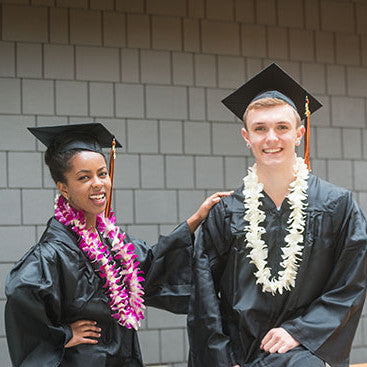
307	137
112	168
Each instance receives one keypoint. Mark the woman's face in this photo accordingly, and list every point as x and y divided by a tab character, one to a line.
87	184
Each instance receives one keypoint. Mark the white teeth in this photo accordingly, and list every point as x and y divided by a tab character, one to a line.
97	197
272	150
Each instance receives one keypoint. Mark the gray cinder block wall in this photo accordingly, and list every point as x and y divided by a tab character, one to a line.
154	71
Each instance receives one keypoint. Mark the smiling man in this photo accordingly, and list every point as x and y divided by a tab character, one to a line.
280	266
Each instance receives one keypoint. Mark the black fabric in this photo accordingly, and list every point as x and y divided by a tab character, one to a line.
54	285
229	314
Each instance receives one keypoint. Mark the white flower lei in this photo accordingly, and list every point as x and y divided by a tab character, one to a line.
292	252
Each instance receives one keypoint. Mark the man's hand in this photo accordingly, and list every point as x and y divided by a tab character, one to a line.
83	332
278	340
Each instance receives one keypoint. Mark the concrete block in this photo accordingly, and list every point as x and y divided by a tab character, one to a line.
278	43
357	81
166	33
336	78
167	7
159	319
156	206
359	338
85	27
209	173
155	67
358	355
253	40
129	100
7	60
244	11
197	138
231	71
147	233
172	345
360	177
138	31
97	63
196	8
170	137
182	68
324	45
312	15
3	170
362	202
220	37
9	95
235	169
117	128
130	6
217	9
340	173
71	98
25	169
216	110
179	172
59	25
150	345
329	143
142	136
337	16
73	3
101	99
130	65
189	202
318	167
152	171
29	60
124	206
38	96
314	77
43	200
197	103
24	23
191	35
14	134
352	143
227	139
205	70
127	173
5	360
265	12
322	116
10	199
58	61
361	14
347	49
253	66
102	4
166	102
290	13
4	271
114	29
2	321
348	112
301	45
364	143
22	238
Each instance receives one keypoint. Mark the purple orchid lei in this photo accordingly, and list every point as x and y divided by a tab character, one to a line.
117	266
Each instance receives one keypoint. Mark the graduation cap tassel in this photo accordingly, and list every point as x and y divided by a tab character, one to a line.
307	137
112	168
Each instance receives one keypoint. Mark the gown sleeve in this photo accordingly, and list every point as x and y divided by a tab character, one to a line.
166	269
32	312
328	326
209	345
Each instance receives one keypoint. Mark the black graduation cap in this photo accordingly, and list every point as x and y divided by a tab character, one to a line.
274	82
92	137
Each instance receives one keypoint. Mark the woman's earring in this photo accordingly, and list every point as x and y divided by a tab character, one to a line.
248	145
298	142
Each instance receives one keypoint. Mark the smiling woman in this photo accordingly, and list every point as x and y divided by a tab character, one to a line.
78	296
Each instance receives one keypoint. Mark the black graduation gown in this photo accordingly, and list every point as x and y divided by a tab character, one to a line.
229	314
54	284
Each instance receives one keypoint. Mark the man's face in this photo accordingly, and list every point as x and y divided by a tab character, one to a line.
272	133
